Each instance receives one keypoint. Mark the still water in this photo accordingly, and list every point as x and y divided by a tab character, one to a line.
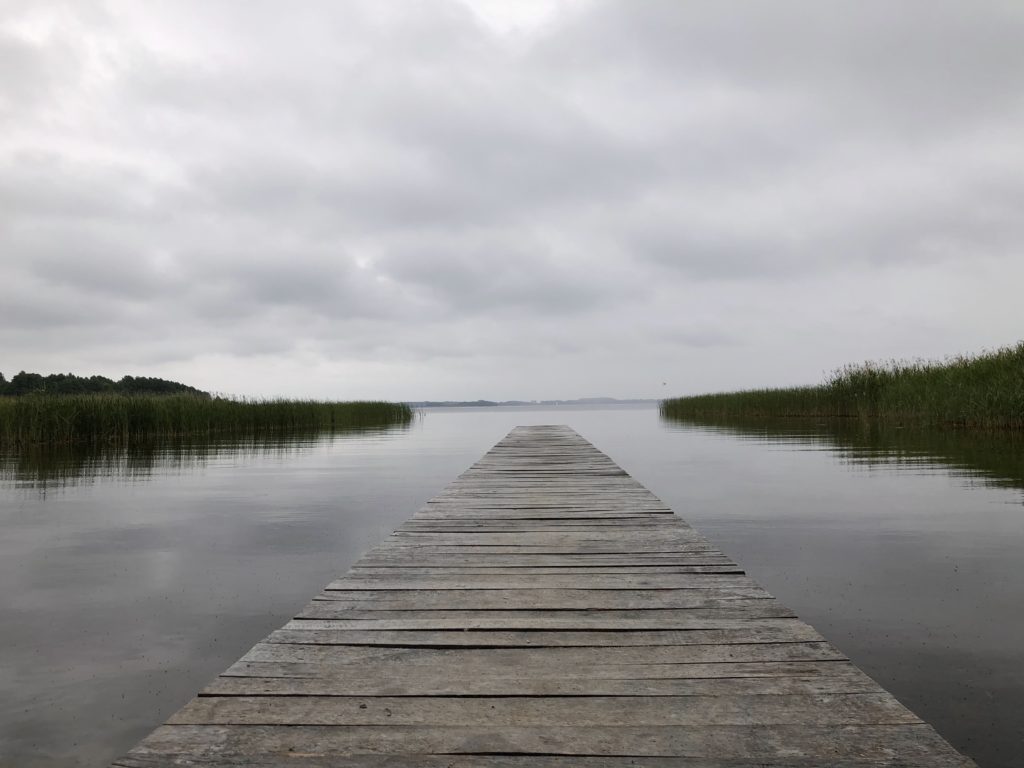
128	582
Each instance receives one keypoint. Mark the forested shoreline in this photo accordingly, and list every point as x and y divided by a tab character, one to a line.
24	383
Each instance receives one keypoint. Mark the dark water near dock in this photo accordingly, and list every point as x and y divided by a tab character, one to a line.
128	582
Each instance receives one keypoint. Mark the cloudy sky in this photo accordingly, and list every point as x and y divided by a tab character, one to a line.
506	199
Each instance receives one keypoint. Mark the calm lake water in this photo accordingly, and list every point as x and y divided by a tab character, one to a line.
130	582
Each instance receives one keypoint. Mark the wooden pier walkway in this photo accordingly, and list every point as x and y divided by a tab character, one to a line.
544	610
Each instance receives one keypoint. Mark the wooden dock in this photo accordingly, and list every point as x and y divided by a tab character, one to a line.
544	610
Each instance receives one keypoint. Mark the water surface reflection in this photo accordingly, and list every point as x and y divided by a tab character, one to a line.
902	546
131	580
47	467
993	458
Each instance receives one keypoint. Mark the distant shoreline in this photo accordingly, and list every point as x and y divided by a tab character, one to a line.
527	403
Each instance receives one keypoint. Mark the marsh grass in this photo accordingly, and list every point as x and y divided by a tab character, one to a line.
984	391
42	419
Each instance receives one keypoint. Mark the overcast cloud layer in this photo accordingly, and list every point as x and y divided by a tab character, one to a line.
535	200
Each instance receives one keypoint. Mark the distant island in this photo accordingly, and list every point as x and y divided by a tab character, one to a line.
492	403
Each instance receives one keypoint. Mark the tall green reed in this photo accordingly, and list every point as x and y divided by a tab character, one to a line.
41	419
983	391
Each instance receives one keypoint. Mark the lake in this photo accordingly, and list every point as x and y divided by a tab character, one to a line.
130	581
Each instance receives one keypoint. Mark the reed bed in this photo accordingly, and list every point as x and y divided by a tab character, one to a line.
42	419
984	391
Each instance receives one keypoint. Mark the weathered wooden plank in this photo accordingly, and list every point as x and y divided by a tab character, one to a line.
455	547
568	619
305	760
635	505
529	580
658	534
680	541
719	741
692	624
782	631
545	515
606	528
527	569
528	561
419	685
735	608
575	508
766	631
540	660
470	681
628	680
652	534
521	531
541	599
493	711
428	571
477	556
699	552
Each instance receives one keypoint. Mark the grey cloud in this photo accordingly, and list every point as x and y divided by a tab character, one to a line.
36	311
454	160
28	76
48	185
713	255
906	64
380	187
384	196
99	264
254	280
695	335
496	274
939	217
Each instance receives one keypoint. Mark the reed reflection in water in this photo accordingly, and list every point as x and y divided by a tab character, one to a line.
990	458
44	468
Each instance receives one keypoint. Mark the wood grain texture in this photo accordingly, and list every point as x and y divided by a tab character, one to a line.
544	610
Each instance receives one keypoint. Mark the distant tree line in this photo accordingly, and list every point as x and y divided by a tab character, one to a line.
68	384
